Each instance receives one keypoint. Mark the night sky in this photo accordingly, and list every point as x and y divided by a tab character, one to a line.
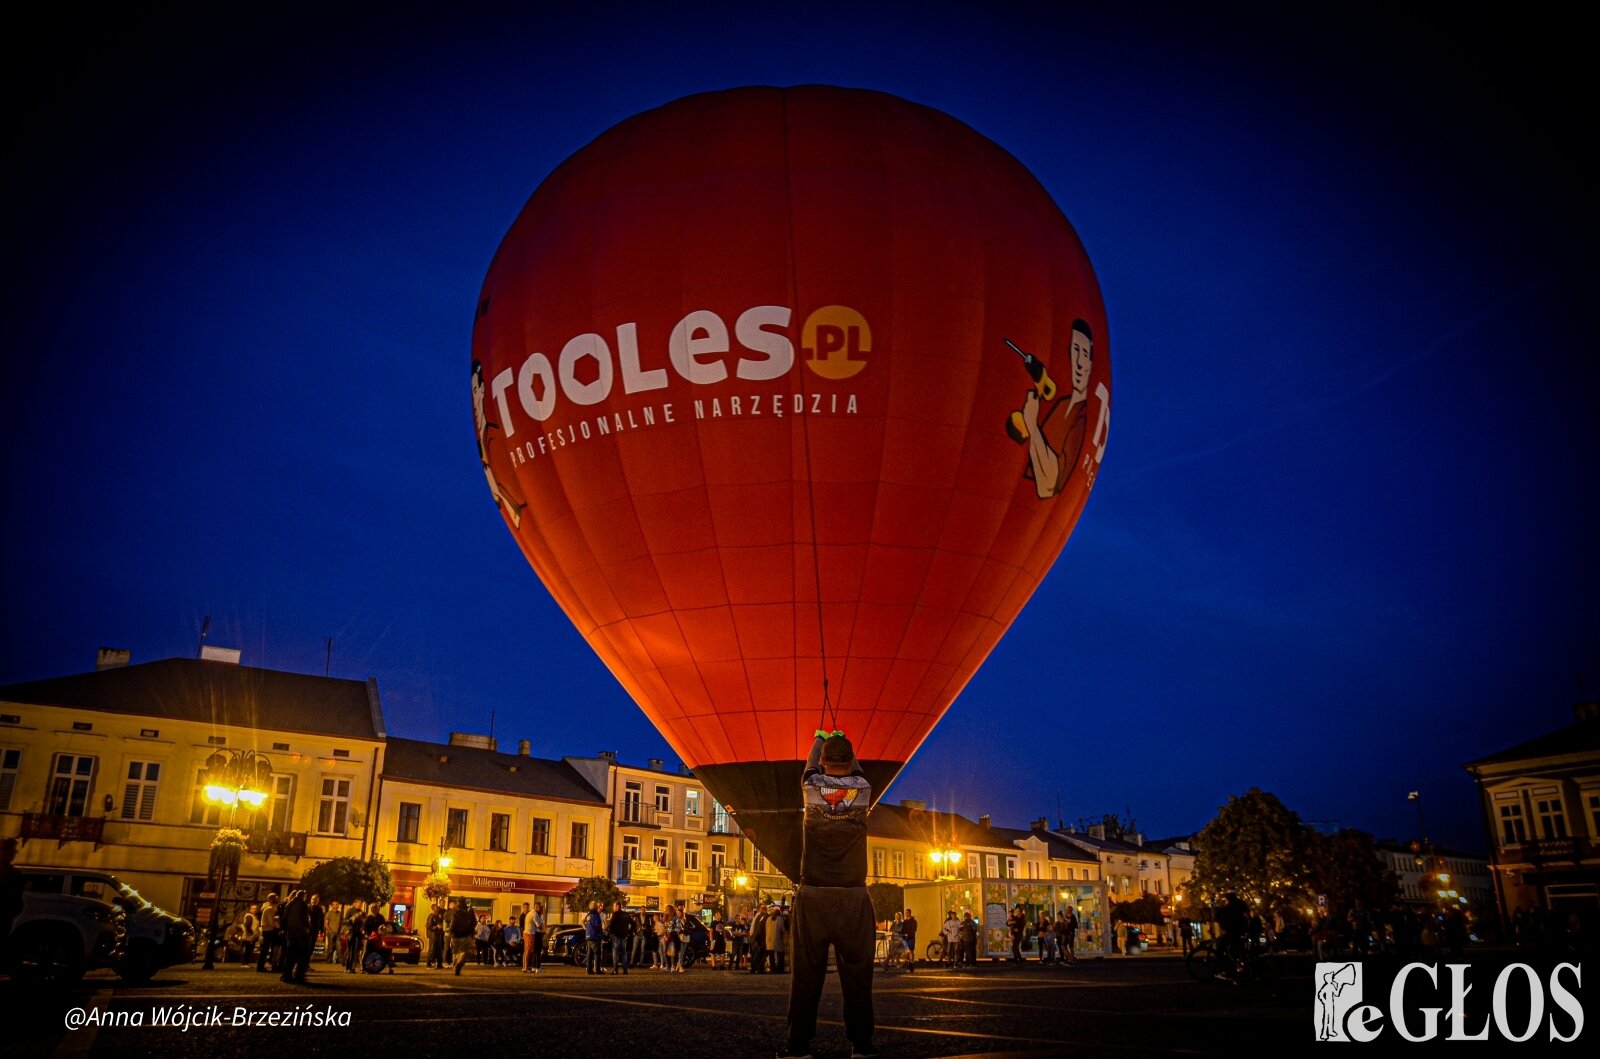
1342	541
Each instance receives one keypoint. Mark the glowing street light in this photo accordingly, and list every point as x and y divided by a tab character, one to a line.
945	860
231	778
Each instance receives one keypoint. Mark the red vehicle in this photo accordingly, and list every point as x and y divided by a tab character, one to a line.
402	948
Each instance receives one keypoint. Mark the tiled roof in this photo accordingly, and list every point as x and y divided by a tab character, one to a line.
1577	738
448	765
216	693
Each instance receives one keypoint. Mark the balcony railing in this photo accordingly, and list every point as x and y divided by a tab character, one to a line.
277	843
64	829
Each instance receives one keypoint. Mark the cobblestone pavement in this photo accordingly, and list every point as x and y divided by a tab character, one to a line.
1127	1006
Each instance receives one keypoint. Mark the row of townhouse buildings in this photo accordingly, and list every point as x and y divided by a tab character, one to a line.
108	769
105	769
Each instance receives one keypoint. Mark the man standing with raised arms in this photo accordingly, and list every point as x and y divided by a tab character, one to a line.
831	904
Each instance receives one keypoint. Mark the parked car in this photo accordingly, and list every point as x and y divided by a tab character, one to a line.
69	923
403	948
566	942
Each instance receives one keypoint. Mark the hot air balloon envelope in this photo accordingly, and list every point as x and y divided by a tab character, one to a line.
791	397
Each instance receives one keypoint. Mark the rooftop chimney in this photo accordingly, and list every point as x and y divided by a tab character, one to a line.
1097	831
656	763
608	755
983	821
482	742
112	658
683	770
1042	824
213	653
913	803
524	748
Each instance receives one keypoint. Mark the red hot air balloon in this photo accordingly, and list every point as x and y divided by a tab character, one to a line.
790	397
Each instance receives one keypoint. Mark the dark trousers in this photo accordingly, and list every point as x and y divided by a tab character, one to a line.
296	958
619	954
840	916
436	948
538	949
593	961
270	940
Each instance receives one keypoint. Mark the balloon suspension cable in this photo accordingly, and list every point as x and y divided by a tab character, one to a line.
830	718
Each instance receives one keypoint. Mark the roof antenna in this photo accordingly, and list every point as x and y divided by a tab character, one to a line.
1061	822
205	627
327	666
491	724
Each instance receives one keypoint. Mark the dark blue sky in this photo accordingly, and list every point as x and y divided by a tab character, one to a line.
1342	541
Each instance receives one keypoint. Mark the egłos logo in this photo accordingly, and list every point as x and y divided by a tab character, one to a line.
1521	1003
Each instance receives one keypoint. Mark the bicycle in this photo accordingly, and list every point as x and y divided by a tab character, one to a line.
1246	964
896	957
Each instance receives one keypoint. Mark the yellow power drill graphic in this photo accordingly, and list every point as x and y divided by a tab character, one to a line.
1043	385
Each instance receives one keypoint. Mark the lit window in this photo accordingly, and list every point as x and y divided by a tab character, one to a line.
139	792
691	802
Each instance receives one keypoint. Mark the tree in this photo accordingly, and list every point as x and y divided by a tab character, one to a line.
887	899
346	879
596	888
1143	909
1258	847
1346	868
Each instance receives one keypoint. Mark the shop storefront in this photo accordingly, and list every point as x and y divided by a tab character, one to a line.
501	896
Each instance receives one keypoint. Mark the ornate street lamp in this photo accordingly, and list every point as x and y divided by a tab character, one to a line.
231	778
945	861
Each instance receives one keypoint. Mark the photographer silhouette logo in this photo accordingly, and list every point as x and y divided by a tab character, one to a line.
1338	987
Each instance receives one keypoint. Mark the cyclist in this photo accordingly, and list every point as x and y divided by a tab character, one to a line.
1234	919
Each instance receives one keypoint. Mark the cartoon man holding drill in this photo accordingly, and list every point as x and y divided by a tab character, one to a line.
1051	465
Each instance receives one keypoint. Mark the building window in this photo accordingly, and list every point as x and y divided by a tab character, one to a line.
539	843
918	868
719	819
1593	800
333	810
632	802
1033	869
71	784
500	832
139	792
879	860
1552	819
691	856
1055	871
663	798
202	811
1513	832
630	847
10	764
757	861
410	822
973	871
658	852
1011	868
691	802
719	859
899	864
580	842
991	863
455	828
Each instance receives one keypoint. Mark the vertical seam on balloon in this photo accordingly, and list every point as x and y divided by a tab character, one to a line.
805	442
